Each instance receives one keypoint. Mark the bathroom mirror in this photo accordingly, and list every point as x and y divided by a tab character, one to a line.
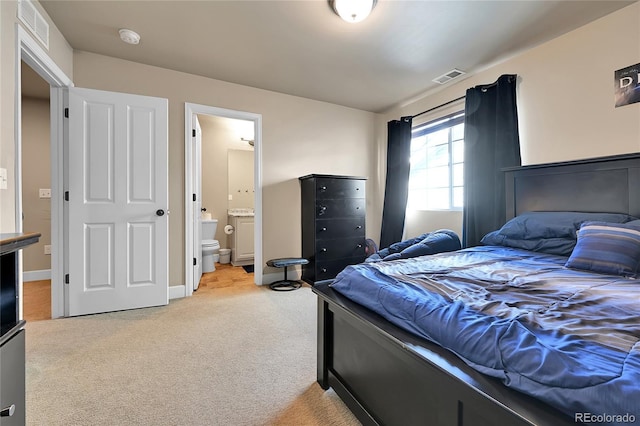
240	179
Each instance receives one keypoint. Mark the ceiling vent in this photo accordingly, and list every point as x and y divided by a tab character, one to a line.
445	78
34	21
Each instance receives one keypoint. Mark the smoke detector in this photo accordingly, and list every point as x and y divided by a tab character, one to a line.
129	36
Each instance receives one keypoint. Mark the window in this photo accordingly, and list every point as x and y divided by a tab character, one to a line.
437	158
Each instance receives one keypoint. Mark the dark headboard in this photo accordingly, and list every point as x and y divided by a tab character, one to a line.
605	184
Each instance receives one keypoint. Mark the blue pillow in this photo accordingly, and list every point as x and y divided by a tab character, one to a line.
547	232
557	246
607	248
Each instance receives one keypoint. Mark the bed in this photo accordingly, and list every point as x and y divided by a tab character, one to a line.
387	368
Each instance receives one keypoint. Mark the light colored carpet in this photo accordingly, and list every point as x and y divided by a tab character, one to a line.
227	357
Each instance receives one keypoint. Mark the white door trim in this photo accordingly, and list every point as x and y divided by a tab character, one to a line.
29	51
189	110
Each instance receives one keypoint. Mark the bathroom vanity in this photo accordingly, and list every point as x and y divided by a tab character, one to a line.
241	239
12	357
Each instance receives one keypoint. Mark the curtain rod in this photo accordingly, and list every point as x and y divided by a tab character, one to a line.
438	107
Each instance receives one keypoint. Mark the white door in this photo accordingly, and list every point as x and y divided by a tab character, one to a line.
197	202
118	199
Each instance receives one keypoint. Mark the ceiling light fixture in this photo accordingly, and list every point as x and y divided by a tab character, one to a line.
129	36
352	10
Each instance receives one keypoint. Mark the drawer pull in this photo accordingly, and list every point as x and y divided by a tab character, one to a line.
357	208
323	229
323	270
8	412
323	210
323	188
359	246
323	250
359	227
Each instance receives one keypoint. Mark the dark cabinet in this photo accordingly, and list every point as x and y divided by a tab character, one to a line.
12	380
333	224
12	358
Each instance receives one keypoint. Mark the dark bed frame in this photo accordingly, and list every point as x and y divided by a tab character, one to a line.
387	376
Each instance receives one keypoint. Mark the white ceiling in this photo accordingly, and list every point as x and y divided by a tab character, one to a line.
302	48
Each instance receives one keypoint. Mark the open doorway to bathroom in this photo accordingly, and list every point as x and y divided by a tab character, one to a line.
223	185
227	192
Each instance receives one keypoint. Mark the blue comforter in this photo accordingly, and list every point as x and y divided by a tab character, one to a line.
566	337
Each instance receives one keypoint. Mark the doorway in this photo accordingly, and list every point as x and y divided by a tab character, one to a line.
30	52
36	192
193	158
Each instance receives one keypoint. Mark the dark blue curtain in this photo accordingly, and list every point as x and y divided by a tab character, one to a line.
397	182
491	142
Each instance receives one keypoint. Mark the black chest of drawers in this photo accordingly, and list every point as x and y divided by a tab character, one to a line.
333	225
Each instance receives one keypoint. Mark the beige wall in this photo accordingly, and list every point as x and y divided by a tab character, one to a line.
565	98
219	139
36	172
61	53
299	136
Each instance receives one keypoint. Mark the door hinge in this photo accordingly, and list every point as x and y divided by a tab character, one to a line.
66	279
66	113
66	195
194	133
194	197
195	261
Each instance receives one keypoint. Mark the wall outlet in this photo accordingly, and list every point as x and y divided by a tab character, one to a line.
45	193
47	249
230	197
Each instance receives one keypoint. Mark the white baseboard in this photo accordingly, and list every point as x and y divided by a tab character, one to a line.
43	274
177	291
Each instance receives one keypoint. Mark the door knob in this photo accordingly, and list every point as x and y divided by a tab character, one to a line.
8	412
159	212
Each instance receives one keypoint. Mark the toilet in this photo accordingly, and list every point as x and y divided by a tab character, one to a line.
210	247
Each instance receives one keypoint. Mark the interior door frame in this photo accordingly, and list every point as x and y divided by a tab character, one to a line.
29	51
196	170
189	110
